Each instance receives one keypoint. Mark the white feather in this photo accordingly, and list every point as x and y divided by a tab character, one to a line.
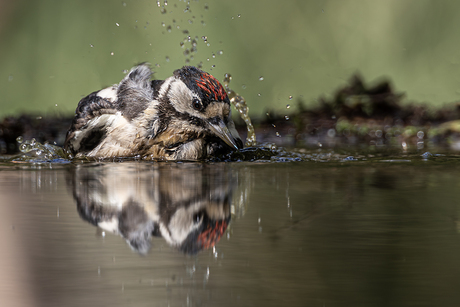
109	93
110	225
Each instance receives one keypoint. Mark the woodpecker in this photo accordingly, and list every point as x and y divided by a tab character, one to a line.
189	205
184	117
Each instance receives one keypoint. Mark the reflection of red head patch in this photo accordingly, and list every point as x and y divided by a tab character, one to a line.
211	235
211	87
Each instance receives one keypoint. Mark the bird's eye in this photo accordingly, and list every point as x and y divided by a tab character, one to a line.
196	104
197	217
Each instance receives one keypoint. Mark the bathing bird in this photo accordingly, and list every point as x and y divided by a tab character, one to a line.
184	117
188	205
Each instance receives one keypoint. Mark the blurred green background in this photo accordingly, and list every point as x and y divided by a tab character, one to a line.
52	53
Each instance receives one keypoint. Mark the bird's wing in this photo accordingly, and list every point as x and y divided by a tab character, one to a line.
97	111
93	113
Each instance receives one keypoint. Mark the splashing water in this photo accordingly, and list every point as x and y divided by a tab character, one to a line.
240	104
35	152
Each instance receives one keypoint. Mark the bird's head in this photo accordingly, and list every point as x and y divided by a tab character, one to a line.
195	101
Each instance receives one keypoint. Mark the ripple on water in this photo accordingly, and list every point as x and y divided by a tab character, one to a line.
35	152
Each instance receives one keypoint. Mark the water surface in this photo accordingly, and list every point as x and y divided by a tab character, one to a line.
375	232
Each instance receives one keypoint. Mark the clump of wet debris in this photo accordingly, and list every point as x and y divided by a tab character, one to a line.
358	114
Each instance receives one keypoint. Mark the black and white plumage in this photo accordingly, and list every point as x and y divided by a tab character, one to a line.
188	205
185	117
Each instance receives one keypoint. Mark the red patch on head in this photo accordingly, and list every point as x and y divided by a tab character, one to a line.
212	87
212	234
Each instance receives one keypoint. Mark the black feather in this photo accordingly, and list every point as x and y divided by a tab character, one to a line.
88	108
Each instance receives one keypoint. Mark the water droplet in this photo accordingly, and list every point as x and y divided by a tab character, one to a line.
55	105
243	86
167	59
111	53
123	3
213	56
117	24
10	78
420	134
288	106
158	3
261	78
286	117
259	94
19	139
239	15
290	97
227	78
213	66
91	45
163	24
427	155
169	28
220	52
331	133
163	10
206	7
203	23
204	38
185	32
165	3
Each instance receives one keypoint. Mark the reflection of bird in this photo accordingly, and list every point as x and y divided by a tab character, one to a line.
185	117
187	205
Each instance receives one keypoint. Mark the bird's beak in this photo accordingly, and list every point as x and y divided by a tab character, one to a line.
221	130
